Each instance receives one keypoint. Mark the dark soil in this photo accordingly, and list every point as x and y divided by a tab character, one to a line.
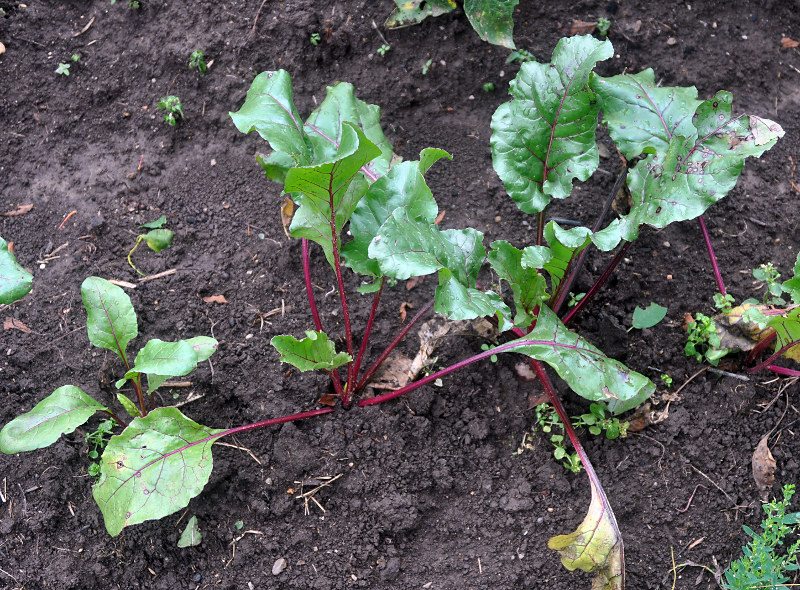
432	494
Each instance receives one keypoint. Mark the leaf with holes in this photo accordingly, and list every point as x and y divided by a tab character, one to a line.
493	20
15	281
111	320
545	138
59	413
315	351
153	468
412	12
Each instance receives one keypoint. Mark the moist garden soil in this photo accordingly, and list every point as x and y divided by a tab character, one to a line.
432	493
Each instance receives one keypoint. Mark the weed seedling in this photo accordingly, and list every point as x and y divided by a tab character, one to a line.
603	24
197	62
314	39
666	379
63	69
384	49
173	107
426	67
770	275
76	57
573	299
97	441
157	239
520	56
703	341
488	87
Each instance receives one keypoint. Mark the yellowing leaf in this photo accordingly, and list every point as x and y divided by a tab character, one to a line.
595	546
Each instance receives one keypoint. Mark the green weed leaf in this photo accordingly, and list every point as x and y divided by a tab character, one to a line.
15	281
586	369
492	20
545	137
411	12
315	351
158	223
191	535
158	239
59	413
648	317
269	109
153	468
111	320
330	190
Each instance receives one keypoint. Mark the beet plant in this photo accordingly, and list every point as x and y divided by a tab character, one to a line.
15	281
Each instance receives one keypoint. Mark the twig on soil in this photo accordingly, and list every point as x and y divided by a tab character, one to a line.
689	380
711	481
9	575
85	28
245	449
159	275
70	214
123	284
255	21
4	493
189	400
728	374
791	176
24	501
674	569
236	540
310	495
689	503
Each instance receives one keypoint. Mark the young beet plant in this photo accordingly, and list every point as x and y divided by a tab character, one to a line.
15	281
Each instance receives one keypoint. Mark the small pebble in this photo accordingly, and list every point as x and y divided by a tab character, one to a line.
672	41
278	566
667	244
2	49
498	219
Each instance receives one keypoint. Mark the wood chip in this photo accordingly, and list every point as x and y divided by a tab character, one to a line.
789	43
14	324
215	299
85	28
123	284
20	210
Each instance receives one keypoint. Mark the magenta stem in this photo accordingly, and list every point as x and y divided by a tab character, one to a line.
274	421
599	283
362	349
767	363
760	347
783	371
374	367
710	248
116	418
345	311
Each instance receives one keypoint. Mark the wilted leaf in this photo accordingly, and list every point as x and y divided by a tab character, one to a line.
414	282
404	307
159	239
15	281
648	317
160	222
20	210
191	536
545	138
215	299
763	466
595	546
153	468
789	43
582	27
14	324
287	213
111	320
59	413
492	20
315	351
411	12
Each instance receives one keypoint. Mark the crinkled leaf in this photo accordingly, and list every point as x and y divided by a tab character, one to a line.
536	256
595	546
127	403
275	165
564	244
160	222
328	190
695	172
111	320
787	329
204	347
492	20
527	284
792	286
324	128
403	186
158	239
411	12
456	301
163	359
15	281
315	351
586	369
191	535
641	116
153	468
545	137
649	316
59	413
269	109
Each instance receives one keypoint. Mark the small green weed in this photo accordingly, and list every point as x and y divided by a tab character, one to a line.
197	61
575	299
724	303
770	275
97	441
76	57
315	39
63	69
173	107
666	379
426	67
488	87
384	49
520	56
603	24
703	341
761	566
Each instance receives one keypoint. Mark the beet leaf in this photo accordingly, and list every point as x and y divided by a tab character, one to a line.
15	281
111	320
313	352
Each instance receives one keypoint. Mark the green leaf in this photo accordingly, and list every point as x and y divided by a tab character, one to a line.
324	128
160	222
328	190
59	413
787	329
403	186
492	20
130	407
191	535
275	165
15	281
153	468
204	347
458	302
641	116
158	239
269	109
595	546
564	245
527	284
545	137
588	371
163	359
648	317
792	286
315	351
694	173
411	12
111	320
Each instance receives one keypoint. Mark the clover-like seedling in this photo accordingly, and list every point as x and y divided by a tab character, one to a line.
197	61
63	69
384	49
173	107
157	239
314	39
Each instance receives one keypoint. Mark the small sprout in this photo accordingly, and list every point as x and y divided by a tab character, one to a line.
666	379
520	56
63	69
575	299
157	239
197	62
315	39
724	303
239	524
770	275
603	24
97	441
76	57
703	341
488	87
384	49
173	107
134	4
485	347
426	67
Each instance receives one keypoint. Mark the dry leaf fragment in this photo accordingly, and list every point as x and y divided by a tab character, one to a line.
287	213
215	299
20	210
329	399
404	307
414	282
439	217
789	43
524	372
763	466
14	324
582	27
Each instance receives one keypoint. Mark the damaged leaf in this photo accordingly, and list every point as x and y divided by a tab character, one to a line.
763	466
